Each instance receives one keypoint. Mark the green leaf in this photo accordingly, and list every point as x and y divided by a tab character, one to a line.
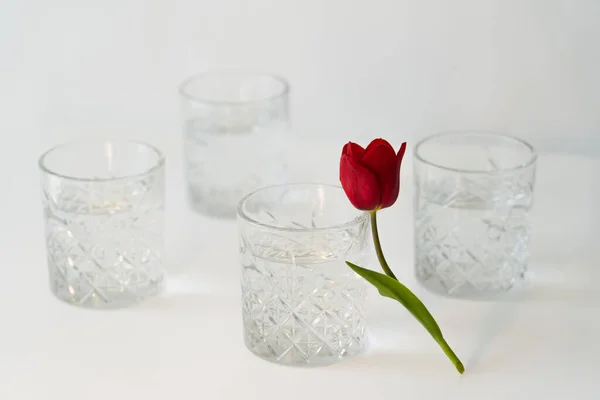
393	289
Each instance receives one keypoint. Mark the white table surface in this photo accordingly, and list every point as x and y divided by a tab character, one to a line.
542	341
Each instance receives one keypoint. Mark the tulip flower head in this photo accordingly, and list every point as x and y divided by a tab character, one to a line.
371	177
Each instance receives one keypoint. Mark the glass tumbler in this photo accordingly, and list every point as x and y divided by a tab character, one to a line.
103	209
301	304
473	193
235	126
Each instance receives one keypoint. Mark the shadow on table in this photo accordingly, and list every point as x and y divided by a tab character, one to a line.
539	293
409	362
567	291
474	334
177	304
498	318
476	345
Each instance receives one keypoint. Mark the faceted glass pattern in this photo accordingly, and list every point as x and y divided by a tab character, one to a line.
228	116
473	194
301	304
104	231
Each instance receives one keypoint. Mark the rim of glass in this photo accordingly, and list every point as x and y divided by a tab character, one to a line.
364	216
158	165
531	160
199	99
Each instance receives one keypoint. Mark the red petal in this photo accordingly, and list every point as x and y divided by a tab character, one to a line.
353	150
399	158
380	157
360	184
400	155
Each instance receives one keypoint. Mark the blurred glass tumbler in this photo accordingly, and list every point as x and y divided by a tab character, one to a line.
103	209
301	304
235	130
473	194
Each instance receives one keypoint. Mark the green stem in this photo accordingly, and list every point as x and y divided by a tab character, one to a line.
412	302
450	354
380	257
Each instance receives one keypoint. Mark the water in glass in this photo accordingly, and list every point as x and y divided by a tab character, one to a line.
104	232
473	194
235	125
301	304
103	255
467	245
223	163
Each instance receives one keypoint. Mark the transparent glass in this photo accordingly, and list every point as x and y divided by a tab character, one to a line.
235	126
301	304
103	210
473	194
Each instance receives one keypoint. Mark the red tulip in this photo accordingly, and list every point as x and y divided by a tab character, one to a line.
371	177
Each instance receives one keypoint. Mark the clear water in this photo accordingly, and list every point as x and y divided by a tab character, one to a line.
103	255
309	313
223	163
467	245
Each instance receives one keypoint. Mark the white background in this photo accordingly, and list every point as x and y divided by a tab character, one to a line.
394	68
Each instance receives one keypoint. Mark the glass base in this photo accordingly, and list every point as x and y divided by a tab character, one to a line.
110	298
294	356
302	313
465	290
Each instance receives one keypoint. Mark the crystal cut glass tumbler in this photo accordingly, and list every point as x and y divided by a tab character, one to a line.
473	194
235	126
301	304
103	209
